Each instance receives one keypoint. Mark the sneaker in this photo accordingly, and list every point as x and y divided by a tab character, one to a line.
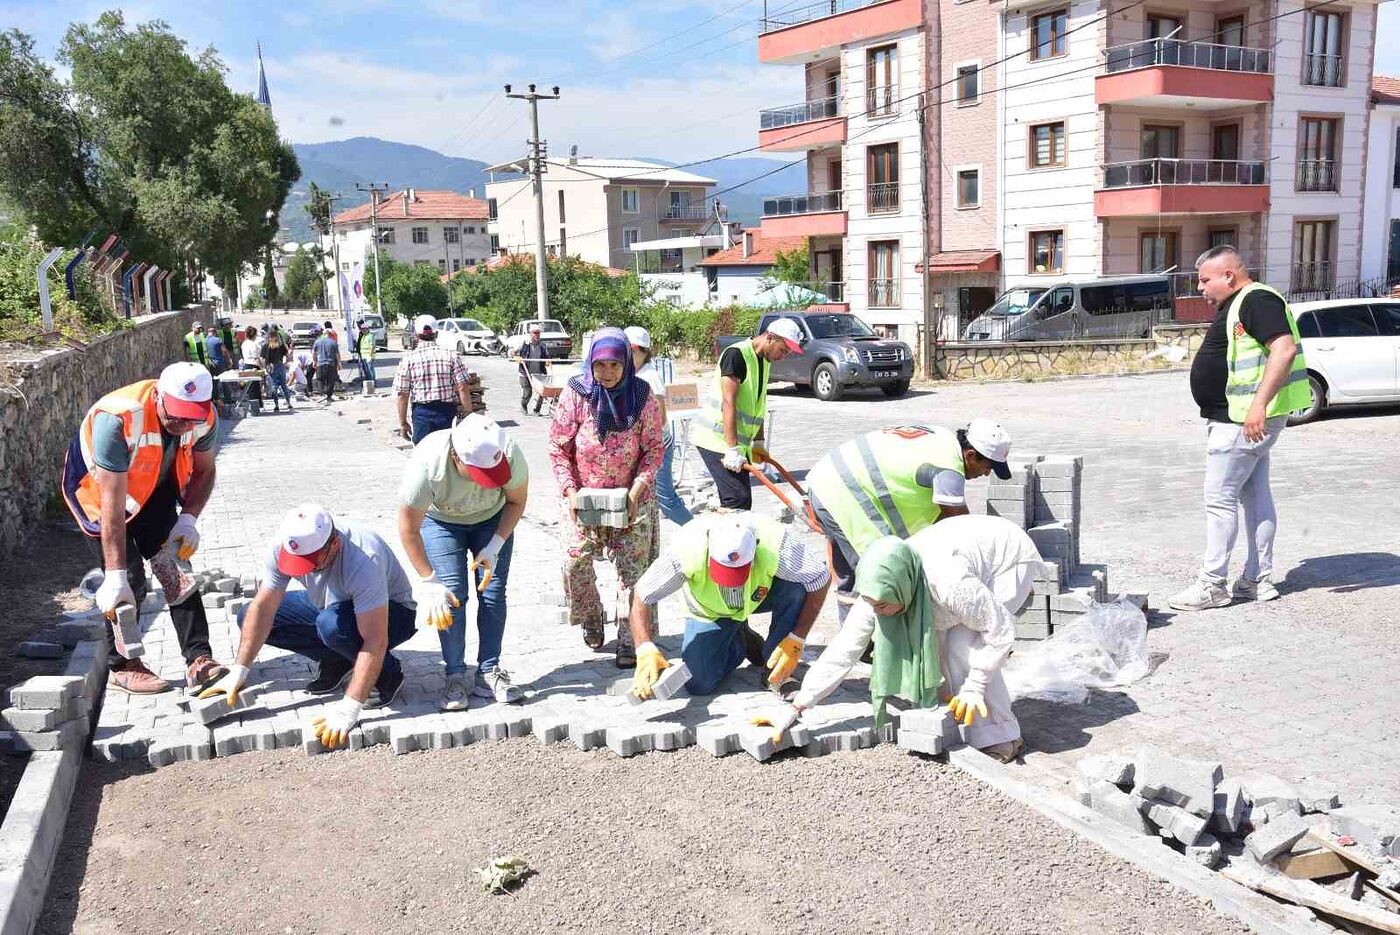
384	693
496	685
203	671
753	647
135	679
457	695
1261	590
1201	596
331	676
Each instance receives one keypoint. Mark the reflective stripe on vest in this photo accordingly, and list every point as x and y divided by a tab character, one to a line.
750	403
1247	358
703	597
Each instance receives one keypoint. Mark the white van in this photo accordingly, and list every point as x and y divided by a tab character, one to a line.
1110	307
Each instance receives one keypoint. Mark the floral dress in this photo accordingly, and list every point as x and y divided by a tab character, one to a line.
580	459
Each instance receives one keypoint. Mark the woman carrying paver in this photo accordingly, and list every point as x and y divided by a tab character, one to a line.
606	434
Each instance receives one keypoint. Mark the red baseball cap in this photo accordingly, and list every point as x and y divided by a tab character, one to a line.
186	390
733	544
304	532
481	445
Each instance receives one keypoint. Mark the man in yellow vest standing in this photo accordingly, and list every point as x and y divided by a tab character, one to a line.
137	475
895	482
1247	377
194	345
730	567
728	430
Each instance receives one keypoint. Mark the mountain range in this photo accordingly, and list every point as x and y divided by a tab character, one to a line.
339	165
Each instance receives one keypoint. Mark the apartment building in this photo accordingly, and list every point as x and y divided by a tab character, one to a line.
1380	236
442	229
860	128
598	208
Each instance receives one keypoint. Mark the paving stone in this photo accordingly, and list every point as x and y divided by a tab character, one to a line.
39	692
553	728
1229	810
919	742
1110	767
718	739
209	710
1177	781
227	585
17	719
62	736
72	632
1262	789
1277	836
36	649
672	681
1175	822
1206	851
1374	827
1124	808
586	735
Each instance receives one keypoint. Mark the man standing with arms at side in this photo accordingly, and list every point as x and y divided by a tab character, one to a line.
433	382
728	430
194	345
365	346
1247	377
327	354
533	355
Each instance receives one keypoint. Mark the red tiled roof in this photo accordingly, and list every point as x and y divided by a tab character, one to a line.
1385	89
963	261
425	205
764	253
524	259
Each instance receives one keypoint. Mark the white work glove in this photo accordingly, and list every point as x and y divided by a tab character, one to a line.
733	460
487	556
434	603
781	722
230	684
970	700
185	536
113	591
333	729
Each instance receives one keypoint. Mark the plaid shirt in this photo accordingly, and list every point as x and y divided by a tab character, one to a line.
429	374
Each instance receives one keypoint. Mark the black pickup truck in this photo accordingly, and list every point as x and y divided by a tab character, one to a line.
839	352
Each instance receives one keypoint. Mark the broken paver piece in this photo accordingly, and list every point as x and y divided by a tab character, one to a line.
1316	797
1175	822
1176	781
1277	836
1229	813
1112	802
1373	827
1206	851
1112	768
1262	789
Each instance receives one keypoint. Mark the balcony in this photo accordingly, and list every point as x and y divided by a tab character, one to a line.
1182	186
809	125
1313	277
1323	71
815	214
881	101
809	32
1316	175
884	293
669	213
882	198
1176	73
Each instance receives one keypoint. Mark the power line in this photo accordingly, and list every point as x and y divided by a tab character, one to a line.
665	39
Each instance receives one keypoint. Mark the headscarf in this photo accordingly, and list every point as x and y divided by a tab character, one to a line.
619	408
905	662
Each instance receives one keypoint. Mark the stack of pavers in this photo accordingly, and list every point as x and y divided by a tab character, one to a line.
51	712
1042	496
602	506
478	392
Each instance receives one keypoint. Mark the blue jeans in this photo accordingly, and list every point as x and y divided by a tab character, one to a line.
714	648
278	375
367	369
449	547
431	417
670	503
331	634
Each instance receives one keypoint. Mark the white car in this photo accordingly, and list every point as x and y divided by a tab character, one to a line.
1352	348
465	335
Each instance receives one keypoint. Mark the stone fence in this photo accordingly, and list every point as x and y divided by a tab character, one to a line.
43	398
988	360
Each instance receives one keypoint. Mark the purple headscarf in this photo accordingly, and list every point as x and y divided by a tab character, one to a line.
619	408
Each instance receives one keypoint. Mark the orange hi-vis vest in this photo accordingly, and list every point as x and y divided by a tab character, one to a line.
135	405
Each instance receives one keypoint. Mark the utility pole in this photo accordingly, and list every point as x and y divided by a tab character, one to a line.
331	199
537	169
374	188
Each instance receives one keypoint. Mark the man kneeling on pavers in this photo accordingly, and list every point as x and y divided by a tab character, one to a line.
731	566
358	605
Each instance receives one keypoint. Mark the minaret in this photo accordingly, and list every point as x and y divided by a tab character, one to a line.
263	97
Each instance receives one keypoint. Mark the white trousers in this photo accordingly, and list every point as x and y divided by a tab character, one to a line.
955	646
1237	480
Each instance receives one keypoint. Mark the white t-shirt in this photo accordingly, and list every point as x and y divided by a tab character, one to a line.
251	352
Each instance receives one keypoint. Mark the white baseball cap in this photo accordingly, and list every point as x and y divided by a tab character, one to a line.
733	543
481	445
789	331
185	390
992	442
637	336
425	324
305	530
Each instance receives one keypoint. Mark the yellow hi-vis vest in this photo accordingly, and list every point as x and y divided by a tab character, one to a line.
1246	358
881	483
750	403
703	597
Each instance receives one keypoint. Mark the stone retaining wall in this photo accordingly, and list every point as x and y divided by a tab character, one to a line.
42	400
990	360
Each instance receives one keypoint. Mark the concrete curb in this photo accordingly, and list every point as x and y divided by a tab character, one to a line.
1260	913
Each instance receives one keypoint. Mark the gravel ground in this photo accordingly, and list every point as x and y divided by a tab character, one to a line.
872	842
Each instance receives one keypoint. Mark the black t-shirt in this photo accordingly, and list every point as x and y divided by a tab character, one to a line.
1263	317
275	355
731	364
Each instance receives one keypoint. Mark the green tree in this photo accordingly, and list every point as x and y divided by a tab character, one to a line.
302	282
370	284
410	291
269	280
582	295
318	208
791	266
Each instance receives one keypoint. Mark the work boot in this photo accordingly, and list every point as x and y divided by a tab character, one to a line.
1260	590
496	685
1200	596
202	671
331	675
134	678
753	647
456	696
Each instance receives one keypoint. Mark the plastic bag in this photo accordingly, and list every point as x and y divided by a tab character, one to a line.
1106	648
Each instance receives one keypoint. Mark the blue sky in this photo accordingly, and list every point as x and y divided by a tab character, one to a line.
430	72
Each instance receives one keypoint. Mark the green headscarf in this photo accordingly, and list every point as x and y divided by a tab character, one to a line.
905	662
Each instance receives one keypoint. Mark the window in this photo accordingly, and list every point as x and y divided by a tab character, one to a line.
1229	31
1395	171
1123	298
472	230
880	79
442	265
452	235
420	235
1307	326
345	265
1317	146
969	83
1345	321
456	264
884	274
1048	34
1157	251
1322	56
1048	145
1048	251
561	206
1225	141
882	171
1312	255
495	243
386	235
1222	237
563	243
630	235
630	201
491	209
1387	317
422	262
969	188
1163	27
1159	142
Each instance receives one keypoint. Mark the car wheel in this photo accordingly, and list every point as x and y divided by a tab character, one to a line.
1315	406
895	390
825	384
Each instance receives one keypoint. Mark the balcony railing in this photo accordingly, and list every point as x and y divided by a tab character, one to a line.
781	18
1316	175
813	292
884	293
882	101
1184	172
1149	53
780	117
882	198
1314	277
684	213
810	203
1322	70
